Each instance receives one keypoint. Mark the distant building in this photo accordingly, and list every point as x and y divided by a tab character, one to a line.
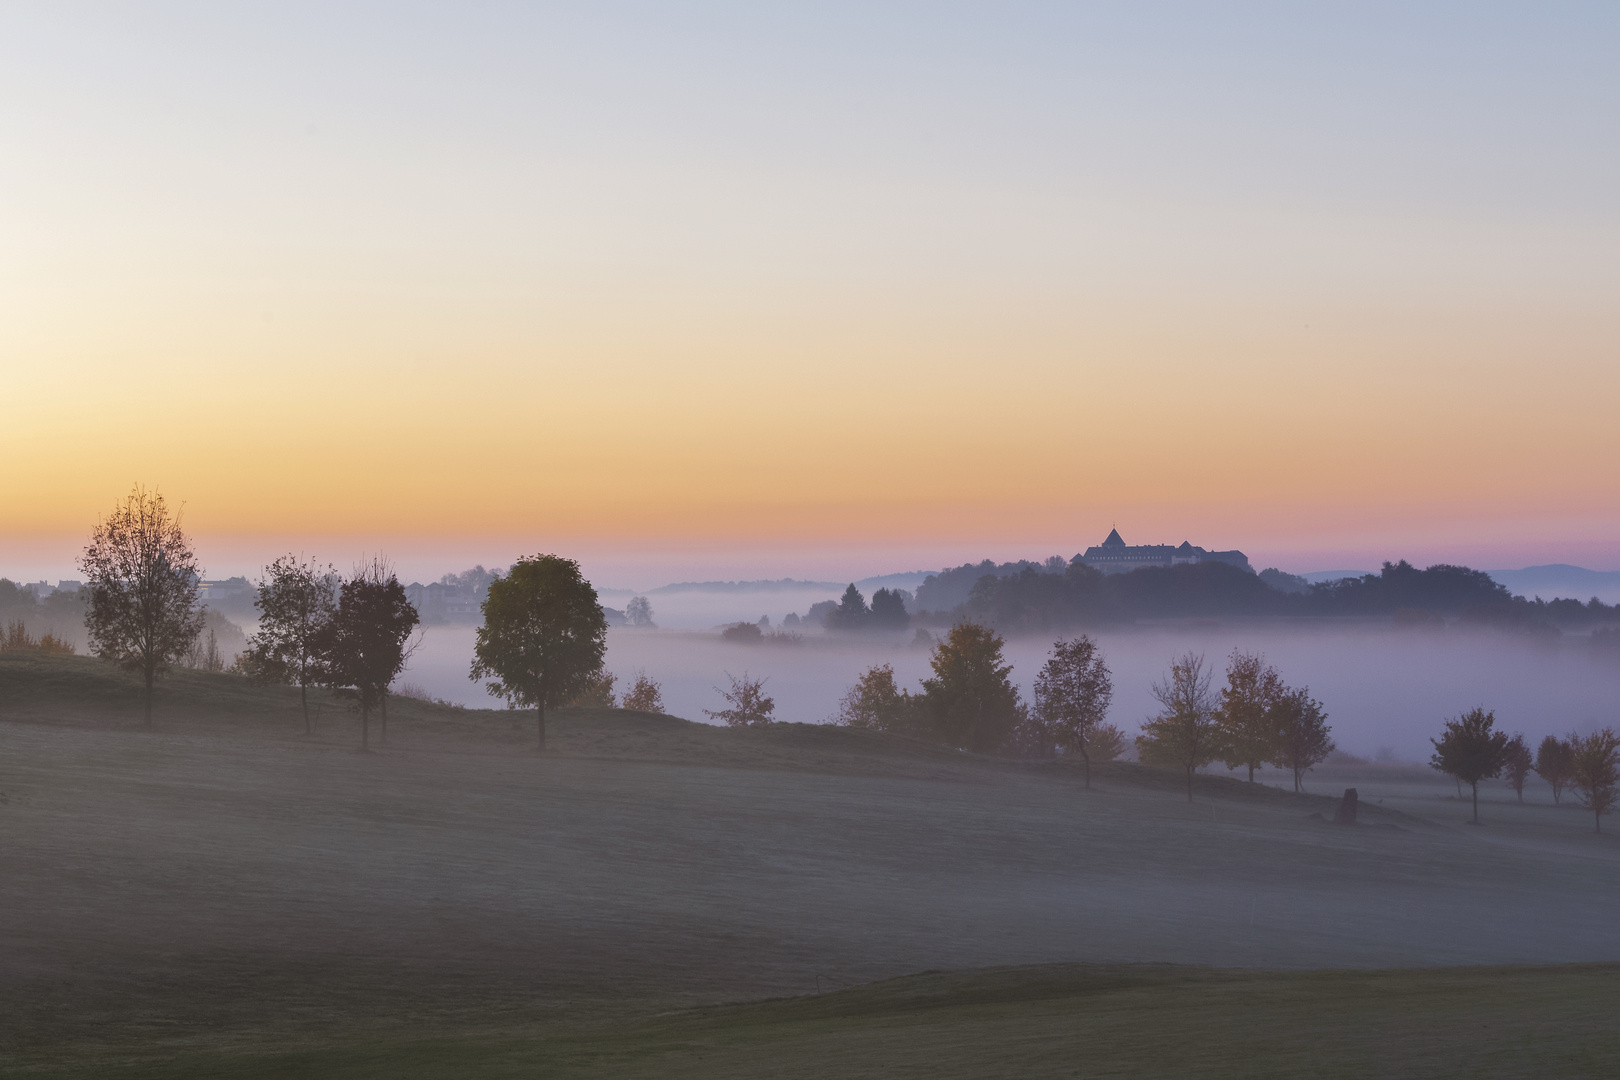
1115	556
446	603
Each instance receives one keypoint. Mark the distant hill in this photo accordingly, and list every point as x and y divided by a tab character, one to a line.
1560	580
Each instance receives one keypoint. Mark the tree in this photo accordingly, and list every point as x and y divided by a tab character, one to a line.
1107	742
142	579
1516	764
296	604
644	695
1245	715
970	702
1184	733
1595	771
1072	695
1470	750
365	644
597	693
1302	740
543	638
875	702
750	705
889	610
639	612
851	612
1553	764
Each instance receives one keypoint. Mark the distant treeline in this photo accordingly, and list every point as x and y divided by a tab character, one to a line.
59	614
1053	595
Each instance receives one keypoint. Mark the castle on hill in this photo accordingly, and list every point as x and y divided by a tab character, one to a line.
1115	556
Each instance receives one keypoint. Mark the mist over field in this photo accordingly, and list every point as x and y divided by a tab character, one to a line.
1382	688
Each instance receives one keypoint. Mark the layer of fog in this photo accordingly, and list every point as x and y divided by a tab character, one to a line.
704	609
1382	688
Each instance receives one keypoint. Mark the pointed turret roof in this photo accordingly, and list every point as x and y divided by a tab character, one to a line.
1113	539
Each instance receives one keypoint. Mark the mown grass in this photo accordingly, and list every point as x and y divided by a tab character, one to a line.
1047	1021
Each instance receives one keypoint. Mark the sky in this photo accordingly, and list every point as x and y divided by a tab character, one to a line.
821	290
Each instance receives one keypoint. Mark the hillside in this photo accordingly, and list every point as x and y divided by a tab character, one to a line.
223	894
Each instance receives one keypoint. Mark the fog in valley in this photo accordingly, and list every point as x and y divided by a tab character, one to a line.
1384	689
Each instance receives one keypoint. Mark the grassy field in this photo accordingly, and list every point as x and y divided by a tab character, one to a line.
225	894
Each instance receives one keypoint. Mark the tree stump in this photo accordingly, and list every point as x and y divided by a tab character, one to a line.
1346	814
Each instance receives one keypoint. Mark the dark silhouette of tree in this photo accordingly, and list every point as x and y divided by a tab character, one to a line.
644	695
366	642
1595	771
1072	695
1302	739
543	638
142	576
1517	763
875	702
1248	725
743	633
750	705
970	702
889	610
639	612
851	612
1184	734
1470	750
296	601
1554	764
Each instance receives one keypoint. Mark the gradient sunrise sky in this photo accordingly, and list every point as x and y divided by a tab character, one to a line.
823	289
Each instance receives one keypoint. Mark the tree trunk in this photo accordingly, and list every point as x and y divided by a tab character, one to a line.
365	725
1189	782
1251	772
1085	757
1475	786
1297	779
540	724
382	704
147	703
303	699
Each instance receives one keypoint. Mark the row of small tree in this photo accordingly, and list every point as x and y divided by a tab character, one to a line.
971	702
1471	750
1256	720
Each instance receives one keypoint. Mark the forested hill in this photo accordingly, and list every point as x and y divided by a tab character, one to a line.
1045	595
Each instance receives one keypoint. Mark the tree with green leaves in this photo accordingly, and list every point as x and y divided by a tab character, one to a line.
1301	739
543	638
1184	735
1595	772
1554	764
1470	750
366	643
1246	715
297	599
142	576
1072	693
970	702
